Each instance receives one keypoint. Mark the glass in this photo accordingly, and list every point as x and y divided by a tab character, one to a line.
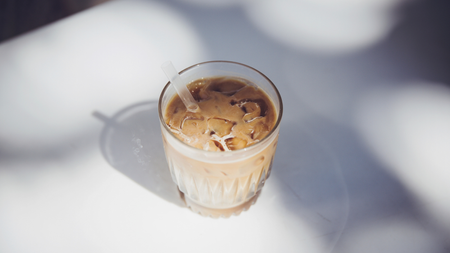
219	184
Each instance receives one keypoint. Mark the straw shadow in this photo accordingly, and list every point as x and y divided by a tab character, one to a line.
131	143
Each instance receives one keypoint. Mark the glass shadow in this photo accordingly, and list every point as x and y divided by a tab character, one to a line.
311	182
131	143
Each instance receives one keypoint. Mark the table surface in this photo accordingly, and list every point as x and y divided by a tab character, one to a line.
363	151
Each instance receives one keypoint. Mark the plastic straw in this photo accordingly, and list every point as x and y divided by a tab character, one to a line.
180	87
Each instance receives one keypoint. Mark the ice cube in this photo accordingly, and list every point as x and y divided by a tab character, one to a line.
260	131
219	126
213	145
197	89
226	86
235	143
259	101
252	111
193	124
193	115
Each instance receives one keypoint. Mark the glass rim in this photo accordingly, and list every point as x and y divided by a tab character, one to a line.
246	149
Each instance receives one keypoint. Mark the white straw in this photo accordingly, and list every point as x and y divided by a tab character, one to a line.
180	86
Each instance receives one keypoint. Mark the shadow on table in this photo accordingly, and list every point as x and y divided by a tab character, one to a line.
131	143
310	181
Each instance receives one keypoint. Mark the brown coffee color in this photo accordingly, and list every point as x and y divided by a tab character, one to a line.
234	114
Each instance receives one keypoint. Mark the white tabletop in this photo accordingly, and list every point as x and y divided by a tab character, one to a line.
363	154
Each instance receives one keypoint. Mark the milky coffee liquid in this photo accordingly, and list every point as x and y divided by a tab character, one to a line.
233	115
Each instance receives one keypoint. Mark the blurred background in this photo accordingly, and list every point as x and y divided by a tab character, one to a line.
18	17
363	160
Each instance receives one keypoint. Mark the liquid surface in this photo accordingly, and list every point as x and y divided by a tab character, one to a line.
234	114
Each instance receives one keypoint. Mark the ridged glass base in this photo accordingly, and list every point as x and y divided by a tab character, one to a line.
219	213
220	189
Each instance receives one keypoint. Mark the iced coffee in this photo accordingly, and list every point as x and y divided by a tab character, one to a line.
221	155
